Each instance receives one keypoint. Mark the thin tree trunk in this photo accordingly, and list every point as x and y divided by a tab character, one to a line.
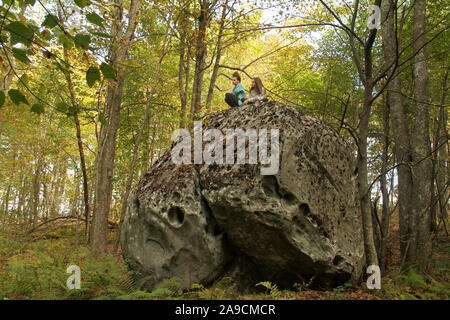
442	143
45	202
53	186
383	188
363	187
76	193
420	247
364	65
391	47
6	203
146	153
366	76
152	145
139	137
183	67
20	204
60	187
83	170
200	56
78	130
108	133
218	56
36	186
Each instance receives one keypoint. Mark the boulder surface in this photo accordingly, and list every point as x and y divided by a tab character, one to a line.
201	222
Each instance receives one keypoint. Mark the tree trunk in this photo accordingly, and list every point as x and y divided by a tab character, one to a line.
137	143
78	129
21	202
53	186
183	67
363	187
383	188
108	133
365	72
218	56
76	193
59	191
152	145
6	202
391	47
420	247
442	163
200	56
36	187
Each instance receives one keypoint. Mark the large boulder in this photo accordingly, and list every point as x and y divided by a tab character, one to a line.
200	222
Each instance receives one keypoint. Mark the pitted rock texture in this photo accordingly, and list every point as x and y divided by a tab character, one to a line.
202	222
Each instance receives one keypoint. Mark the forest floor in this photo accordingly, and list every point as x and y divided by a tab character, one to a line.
33	266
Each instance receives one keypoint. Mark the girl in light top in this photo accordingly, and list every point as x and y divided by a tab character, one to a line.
257	92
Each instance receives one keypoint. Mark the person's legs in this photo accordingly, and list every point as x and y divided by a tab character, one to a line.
231	100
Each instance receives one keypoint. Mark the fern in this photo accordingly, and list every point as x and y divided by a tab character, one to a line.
273	289
225	288
161	293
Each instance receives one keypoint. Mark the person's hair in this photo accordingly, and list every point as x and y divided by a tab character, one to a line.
237	76
258	85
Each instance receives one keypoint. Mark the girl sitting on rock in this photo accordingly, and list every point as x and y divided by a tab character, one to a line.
257	92
236	97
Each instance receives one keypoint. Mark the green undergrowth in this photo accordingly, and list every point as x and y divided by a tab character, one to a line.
410	284
35	268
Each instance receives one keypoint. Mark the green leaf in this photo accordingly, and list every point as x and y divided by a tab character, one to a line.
20	33
20	55
72	109
95	19
92	75
30	2
101	34
3	38
50	21
82	3
66	41
37	108
107	71
62	107
102	119
23	80
2	98
17	97
7	12
82	40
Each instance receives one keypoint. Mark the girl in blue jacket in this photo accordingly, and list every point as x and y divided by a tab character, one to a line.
236	97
